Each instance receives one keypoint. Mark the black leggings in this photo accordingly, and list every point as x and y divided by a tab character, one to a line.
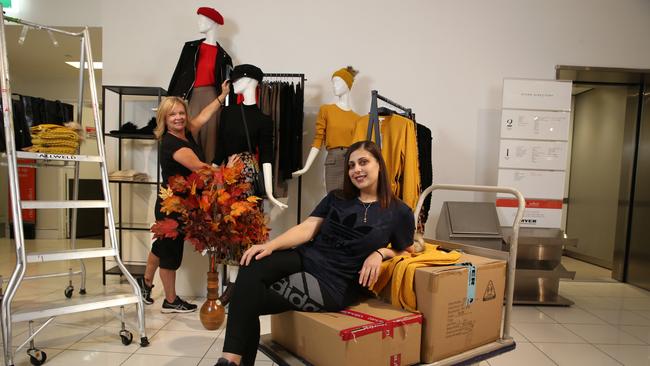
272	285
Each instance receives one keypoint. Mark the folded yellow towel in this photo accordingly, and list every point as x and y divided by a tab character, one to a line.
401	270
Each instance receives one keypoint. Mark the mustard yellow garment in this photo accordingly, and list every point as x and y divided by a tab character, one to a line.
401	270
400	151
54	139
334	127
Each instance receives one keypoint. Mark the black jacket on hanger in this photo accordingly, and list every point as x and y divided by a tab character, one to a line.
182	81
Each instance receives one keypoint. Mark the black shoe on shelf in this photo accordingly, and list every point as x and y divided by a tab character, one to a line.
146	291
224	299
178	306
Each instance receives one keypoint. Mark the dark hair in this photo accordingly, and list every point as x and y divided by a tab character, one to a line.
384	192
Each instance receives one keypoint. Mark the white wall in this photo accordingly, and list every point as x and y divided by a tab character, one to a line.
445	59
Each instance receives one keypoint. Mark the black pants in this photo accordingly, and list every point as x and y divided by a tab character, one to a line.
272	285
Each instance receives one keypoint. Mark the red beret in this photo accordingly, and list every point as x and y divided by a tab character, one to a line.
211	13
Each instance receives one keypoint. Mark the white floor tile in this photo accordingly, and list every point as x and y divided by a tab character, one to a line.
107	339
517	336
72	357
60	336
216	349
548	333
524	354
628	355
621	317
529	314
567	354
177	343
637	303
157	360
643	333
598	303
603	334
571	315
189	322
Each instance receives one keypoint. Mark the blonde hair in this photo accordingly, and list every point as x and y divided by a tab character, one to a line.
165	107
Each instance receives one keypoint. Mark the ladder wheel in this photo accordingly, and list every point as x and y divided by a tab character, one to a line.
37	357
68	291
82	291
144	342
127	337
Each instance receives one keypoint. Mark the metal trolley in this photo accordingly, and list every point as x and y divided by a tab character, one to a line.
52	309
504	344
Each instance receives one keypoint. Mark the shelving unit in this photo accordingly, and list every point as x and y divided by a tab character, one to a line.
156	93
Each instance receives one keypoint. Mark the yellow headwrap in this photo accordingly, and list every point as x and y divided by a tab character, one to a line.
346	74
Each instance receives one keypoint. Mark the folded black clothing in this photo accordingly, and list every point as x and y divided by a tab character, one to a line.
128	127
148	129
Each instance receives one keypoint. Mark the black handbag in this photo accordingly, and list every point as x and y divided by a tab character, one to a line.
258	180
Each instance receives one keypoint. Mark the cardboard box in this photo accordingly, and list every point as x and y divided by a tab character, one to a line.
451	326
372	333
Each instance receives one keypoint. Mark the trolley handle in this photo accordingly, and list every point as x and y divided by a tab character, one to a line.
512	253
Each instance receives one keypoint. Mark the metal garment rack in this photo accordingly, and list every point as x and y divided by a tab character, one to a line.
505	343
282	76
373	118
52	309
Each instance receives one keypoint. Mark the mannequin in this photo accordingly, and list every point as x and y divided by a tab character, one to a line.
202	67
245	84
334	127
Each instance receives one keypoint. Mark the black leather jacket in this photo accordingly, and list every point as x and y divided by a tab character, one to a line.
182	81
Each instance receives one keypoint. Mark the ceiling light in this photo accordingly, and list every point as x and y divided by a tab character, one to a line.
97	65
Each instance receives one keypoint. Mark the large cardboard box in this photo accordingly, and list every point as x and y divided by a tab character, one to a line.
371	333
450	325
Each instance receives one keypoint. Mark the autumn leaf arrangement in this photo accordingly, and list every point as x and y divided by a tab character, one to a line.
211	209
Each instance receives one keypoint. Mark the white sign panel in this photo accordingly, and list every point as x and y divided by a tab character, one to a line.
530	154
533	217
548	95
534	125
533	183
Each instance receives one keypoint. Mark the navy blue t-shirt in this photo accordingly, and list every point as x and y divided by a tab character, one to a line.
336	254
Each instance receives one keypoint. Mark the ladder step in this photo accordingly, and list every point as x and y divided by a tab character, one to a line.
57	157
64	204
78	304
70	254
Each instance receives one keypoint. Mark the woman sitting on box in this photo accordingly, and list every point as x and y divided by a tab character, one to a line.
322	263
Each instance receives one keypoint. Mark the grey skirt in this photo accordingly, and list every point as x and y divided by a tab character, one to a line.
207	135
335	168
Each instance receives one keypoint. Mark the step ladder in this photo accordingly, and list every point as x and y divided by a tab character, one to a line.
65	306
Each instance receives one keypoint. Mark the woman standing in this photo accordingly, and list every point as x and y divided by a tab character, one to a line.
179	155
334	253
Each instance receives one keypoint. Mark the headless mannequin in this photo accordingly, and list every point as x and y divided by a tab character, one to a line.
342	93
247	87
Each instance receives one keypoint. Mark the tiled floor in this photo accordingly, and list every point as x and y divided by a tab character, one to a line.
608	325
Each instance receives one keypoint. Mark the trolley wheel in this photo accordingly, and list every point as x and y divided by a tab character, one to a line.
68	291
36	356
127	337
144	342
82	291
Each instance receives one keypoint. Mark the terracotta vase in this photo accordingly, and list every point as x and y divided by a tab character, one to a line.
212	314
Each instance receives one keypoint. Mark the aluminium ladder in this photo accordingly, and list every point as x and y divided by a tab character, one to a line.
53	309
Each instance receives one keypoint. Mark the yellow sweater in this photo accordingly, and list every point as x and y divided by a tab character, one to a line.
400	151
334	126
401	270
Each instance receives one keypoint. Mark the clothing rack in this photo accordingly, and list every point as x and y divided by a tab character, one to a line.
373	118
302	81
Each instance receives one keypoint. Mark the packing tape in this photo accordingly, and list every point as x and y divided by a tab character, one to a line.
471	282
385	326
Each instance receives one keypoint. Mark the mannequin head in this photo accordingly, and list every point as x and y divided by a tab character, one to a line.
339	86
241	85
206	24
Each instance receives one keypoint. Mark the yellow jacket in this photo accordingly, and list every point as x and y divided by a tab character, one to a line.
401	270
334	127
400	151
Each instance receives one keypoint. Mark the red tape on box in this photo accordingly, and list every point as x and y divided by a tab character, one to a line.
385	326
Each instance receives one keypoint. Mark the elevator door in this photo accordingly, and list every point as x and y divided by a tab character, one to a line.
638	268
